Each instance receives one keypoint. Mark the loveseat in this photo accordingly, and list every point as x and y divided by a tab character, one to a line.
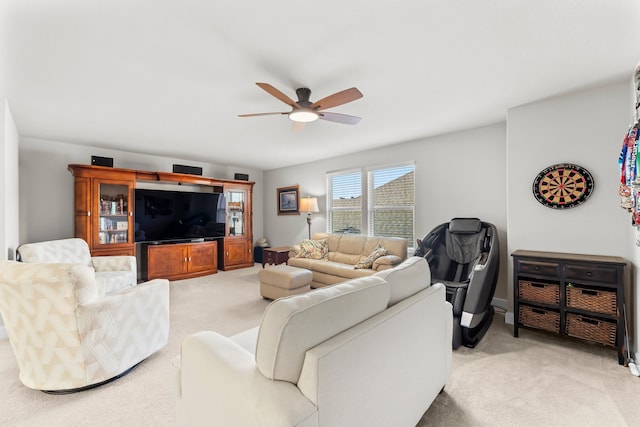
341	257
372	351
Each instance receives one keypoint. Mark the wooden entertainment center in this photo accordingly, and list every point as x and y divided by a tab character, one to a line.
105	217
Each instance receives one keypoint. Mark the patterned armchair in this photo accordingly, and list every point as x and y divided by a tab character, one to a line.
67	336
112	272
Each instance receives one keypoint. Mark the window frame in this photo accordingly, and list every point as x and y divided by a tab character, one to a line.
367	209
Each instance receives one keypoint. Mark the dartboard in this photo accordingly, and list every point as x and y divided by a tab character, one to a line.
563	186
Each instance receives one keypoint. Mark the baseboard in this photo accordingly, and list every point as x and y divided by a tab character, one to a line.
508	318
500	303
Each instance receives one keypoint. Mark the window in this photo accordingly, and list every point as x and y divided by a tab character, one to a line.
385	208
392	202
345	198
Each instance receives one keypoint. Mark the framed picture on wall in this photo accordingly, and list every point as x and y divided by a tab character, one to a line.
289	200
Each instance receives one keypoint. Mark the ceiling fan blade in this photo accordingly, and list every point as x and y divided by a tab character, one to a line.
339	118
258	114
337	98
277	94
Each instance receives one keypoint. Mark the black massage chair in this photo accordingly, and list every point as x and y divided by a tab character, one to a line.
464	255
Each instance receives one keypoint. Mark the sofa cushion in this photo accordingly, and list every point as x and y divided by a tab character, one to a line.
367	262
407	279
313	249
395	246
338	269
292	325
112	281
72	250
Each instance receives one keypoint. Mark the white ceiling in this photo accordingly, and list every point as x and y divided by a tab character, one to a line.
170	77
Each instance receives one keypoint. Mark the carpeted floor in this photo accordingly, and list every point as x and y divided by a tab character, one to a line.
534	380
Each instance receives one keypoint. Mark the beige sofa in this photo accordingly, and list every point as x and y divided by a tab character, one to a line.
372	351
344	252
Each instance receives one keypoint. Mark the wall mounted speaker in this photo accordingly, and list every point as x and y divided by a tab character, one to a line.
102	161
191	170
241	177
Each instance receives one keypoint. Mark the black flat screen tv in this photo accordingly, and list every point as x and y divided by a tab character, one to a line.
162	216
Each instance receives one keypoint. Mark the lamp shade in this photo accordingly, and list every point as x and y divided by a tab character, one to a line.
309	204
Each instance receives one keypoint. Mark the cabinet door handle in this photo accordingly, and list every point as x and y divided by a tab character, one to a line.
589	274
185	259
537	268
88	213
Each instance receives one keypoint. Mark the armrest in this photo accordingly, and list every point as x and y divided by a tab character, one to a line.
220	384
294	251
114	263
132	324
386	262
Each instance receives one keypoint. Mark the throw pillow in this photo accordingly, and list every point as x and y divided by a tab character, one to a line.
314	249
368	261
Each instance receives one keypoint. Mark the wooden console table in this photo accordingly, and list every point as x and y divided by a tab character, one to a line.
580	296
275	255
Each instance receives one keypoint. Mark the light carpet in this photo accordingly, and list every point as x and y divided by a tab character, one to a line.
537	379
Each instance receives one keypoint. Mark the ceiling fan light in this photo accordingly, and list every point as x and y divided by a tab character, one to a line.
303	116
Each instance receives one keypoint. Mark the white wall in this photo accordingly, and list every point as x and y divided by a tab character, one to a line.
634	295
8	188
46	186
586	128
9	194
460	174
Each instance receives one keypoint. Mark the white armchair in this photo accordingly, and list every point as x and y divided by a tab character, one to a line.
112	272
67	336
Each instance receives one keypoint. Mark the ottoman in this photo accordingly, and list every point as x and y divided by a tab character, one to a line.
282	280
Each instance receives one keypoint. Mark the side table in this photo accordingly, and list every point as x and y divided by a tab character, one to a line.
276	255
257	253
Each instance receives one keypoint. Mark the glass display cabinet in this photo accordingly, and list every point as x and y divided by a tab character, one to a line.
238	241
104	209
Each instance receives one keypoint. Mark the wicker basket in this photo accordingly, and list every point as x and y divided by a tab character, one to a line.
592	329
591	299
539	318
547	293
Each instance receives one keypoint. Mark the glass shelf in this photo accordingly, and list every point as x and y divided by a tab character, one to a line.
113	217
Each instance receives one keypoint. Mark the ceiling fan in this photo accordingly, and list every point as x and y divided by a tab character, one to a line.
304	111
